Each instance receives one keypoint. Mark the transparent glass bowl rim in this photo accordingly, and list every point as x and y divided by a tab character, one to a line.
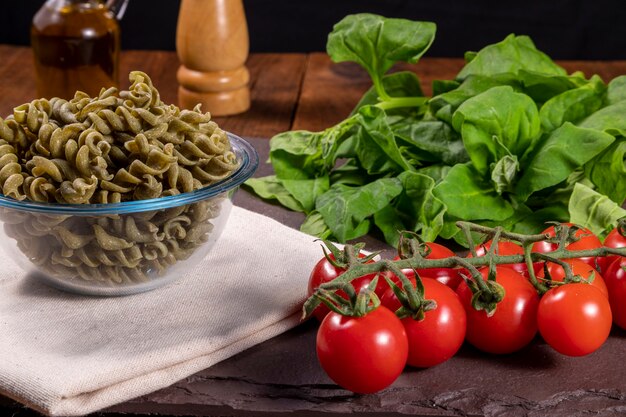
246	154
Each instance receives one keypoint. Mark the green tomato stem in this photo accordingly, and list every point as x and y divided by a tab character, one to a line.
417	261
528	260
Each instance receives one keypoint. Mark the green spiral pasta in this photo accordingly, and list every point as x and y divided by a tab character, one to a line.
116	147
124	249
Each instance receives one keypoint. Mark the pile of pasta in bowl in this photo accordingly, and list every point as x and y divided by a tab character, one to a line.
118	193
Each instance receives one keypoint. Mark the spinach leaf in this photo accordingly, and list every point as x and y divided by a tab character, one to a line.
399	84
302	155
388	221
436	172
444	86
314	225
271	188
376	43
468	196
297	154
557	195
421	210
449	229
504	173
617	90
607	171
609	119
372	158
445	104
513	54
346	209
593	210
536	221
542	87
431	141
415	209
496	145
349	173
572	105
509	223
497	123
307	191
557	155
377	149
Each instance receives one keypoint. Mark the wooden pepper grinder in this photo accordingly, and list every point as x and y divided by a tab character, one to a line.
212	45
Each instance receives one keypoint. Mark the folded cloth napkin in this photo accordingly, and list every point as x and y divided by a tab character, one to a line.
65	354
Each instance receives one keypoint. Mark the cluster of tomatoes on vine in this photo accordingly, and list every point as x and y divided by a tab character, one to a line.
377	316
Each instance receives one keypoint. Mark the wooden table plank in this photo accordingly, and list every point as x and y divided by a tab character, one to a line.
275	81
298	91
17	78
275	85
330	91
607	70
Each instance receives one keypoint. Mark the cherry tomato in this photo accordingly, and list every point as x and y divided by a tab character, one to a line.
613	240
615	278
587	241
575	319
447	276
514	323
438	336
557	273
324	272
504	248
363	354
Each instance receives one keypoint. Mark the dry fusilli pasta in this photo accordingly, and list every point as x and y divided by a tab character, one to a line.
116	147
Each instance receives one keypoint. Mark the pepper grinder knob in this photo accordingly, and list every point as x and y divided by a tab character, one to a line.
212	45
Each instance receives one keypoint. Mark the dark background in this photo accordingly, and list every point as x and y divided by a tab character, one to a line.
565	29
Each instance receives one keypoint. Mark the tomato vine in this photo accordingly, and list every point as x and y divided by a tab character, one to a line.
487	292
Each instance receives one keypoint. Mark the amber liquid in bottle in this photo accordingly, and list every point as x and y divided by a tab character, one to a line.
76	47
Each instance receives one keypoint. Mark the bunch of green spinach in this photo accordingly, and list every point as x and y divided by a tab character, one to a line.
513	140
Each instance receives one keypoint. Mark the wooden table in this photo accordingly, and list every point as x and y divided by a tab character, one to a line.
281	376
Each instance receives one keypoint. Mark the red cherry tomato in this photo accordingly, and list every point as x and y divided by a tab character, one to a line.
514	323
324	272
363	354
587	241
447	276
504	248
557	273
613	240
437	337
615	278
575	319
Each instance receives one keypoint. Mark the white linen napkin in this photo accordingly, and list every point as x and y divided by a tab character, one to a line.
65	354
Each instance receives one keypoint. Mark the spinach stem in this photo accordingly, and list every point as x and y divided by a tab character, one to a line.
380	88
396	102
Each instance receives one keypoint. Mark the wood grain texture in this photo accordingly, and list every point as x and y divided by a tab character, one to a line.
275	81
330	91
281	376
17	78
212	45
288	91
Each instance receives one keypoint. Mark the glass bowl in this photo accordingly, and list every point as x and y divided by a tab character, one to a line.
121	248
